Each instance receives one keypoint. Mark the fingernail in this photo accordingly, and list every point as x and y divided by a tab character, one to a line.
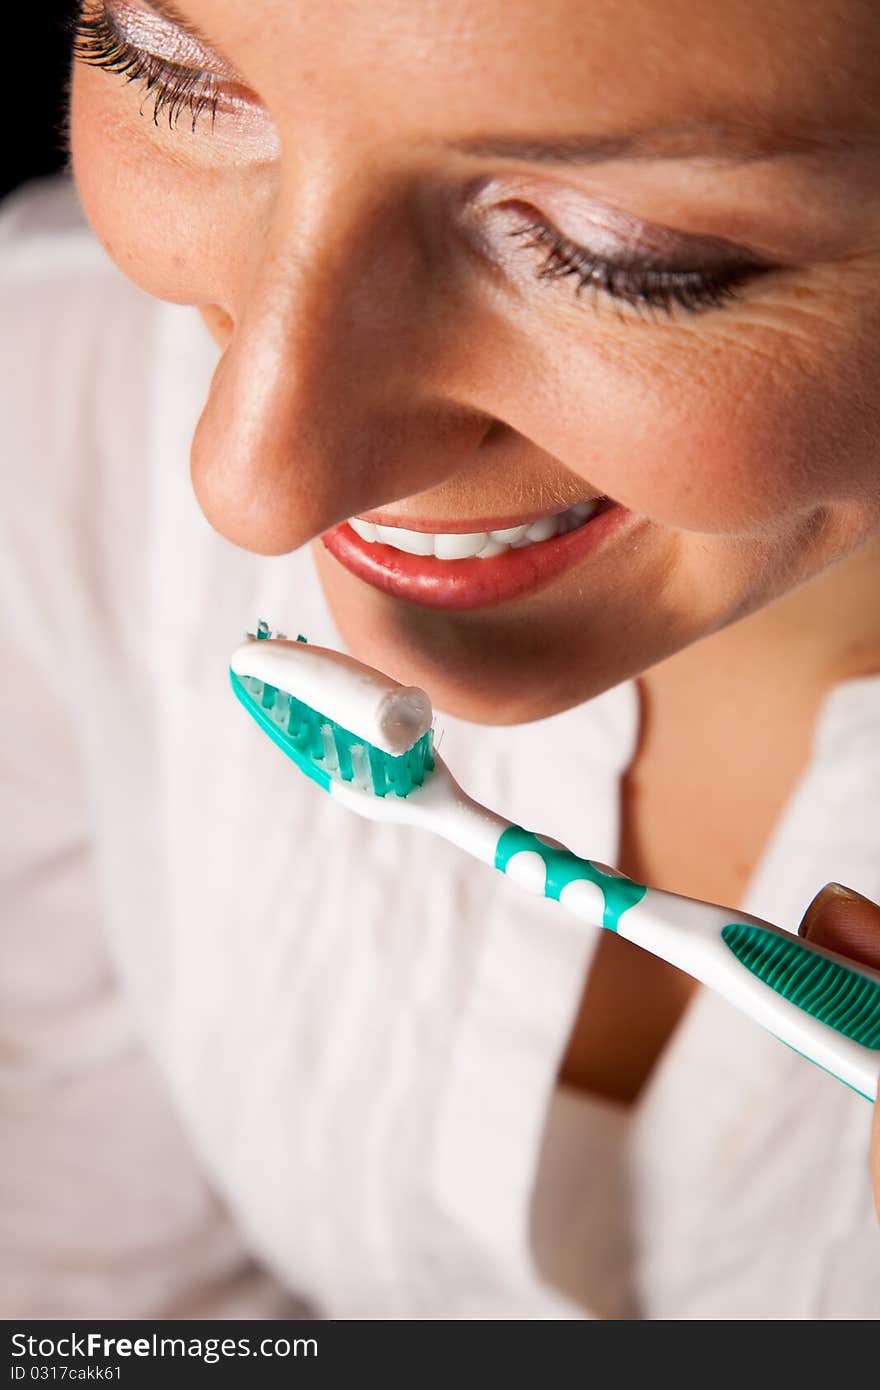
830	890
841	891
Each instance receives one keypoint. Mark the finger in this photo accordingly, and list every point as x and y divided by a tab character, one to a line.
842	920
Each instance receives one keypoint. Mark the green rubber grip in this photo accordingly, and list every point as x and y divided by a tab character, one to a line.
843	999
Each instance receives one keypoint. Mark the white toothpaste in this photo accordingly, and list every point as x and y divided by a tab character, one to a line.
372	705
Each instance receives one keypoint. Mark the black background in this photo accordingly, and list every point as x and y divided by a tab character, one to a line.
36	63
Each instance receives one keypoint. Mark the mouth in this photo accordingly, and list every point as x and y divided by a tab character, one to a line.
459	568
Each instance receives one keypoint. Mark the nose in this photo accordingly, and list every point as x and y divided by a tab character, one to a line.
328	398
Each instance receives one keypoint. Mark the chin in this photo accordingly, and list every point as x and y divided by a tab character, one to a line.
509	664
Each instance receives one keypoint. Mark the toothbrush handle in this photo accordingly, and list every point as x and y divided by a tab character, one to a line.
821	1004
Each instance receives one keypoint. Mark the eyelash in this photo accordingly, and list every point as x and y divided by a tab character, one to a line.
640	287
174	88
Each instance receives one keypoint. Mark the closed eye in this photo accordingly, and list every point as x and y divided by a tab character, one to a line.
631	282
172	88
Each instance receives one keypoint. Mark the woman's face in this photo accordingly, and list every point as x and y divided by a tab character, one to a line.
470	262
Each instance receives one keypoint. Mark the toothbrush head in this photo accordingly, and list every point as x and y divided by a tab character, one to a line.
383	743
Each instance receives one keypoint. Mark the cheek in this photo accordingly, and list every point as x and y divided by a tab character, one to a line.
715	447
732	431
170	226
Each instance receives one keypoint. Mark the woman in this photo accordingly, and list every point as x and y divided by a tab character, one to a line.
466	269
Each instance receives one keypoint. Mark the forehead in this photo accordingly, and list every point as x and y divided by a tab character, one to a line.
798	63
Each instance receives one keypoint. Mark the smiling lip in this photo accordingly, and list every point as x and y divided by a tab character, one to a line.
472	583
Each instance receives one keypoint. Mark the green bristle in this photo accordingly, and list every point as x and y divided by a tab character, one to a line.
296	723
303	740
415	765
377	770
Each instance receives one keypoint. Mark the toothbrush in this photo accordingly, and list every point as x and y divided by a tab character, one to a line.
368	741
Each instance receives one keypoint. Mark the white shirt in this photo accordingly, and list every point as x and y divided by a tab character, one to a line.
259	1053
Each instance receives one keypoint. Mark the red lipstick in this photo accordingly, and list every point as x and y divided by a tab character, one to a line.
471	583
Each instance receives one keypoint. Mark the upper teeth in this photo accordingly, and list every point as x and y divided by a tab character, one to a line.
484	544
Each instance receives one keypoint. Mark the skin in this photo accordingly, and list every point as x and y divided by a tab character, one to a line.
386	345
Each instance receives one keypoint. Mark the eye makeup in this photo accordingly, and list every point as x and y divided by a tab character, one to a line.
634	283
586	242
173	86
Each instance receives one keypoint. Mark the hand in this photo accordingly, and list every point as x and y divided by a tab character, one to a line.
844	921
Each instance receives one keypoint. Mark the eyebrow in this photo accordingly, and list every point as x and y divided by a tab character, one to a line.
725	142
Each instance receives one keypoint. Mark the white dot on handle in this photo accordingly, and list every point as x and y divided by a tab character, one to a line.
527	869
584	900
